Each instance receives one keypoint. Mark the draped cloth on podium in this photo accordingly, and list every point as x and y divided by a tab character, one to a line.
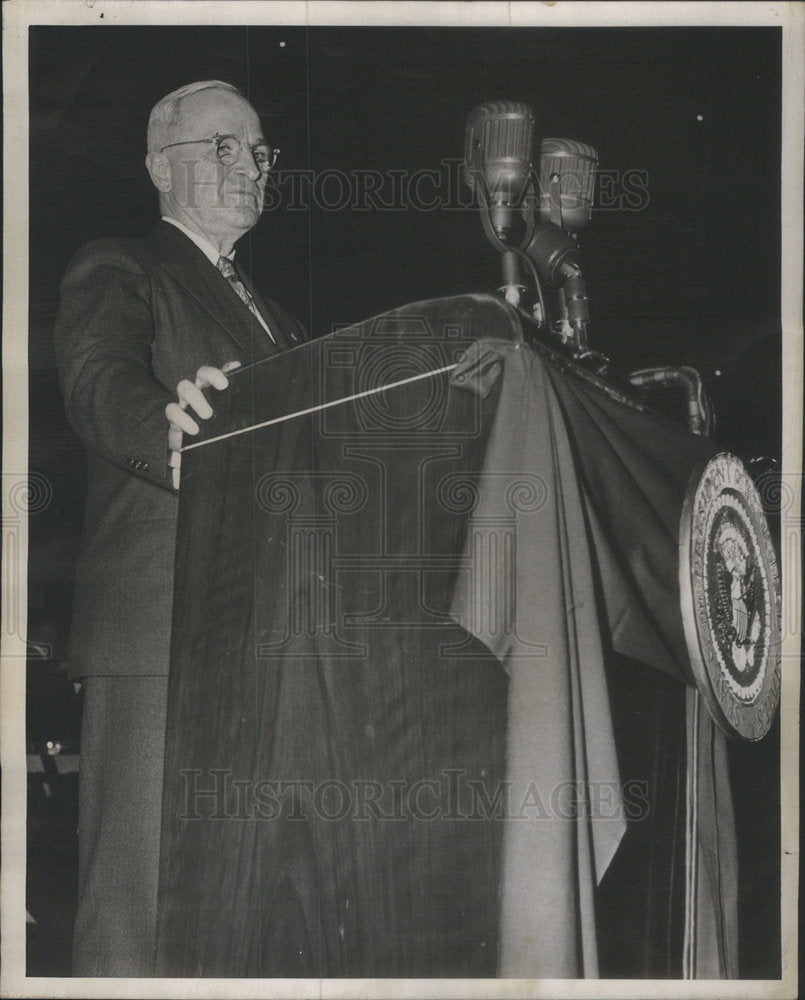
600	555
388	714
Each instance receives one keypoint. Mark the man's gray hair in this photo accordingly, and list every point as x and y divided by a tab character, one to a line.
166	113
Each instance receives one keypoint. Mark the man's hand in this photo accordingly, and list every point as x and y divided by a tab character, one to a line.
191	397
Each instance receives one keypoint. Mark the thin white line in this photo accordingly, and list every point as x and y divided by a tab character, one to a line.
692	845
321	406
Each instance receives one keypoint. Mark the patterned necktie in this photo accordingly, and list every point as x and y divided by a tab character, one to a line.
227	269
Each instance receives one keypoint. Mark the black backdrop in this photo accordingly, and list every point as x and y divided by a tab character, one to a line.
681	258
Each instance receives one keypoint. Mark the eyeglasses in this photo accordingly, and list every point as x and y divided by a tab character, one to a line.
228	148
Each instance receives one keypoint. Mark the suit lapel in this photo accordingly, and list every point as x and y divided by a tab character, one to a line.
285	334
183	260
290	330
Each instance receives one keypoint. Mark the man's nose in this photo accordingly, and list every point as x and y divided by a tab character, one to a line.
247	164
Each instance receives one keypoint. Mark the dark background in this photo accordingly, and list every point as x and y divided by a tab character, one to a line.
691	277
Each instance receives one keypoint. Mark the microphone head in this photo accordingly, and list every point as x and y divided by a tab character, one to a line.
498	150
566	183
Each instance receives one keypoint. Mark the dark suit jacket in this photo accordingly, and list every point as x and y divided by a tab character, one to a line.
136	316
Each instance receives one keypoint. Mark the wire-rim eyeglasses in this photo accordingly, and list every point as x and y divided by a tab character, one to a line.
228	149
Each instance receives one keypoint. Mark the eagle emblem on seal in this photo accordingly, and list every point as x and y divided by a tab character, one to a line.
739	617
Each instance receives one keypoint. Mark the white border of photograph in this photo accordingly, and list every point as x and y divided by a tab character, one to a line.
17	16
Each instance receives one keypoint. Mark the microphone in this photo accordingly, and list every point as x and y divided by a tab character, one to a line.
555	253
566	182
497	159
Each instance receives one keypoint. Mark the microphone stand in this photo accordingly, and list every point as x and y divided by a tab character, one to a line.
554	254
512	288
549	253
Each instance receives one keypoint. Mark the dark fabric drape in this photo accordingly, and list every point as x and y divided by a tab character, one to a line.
389	725
314	574
605	535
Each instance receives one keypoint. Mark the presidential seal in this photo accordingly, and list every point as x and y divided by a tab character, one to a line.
730	597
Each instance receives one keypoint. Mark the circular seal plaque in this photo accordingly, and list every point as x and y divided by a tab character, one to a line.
730	597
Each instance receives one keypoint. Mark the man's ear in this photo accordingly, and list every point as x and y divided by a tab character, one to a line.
159	169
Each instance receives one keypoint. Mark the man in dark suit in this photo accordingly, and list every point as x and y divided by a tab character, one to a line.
143	326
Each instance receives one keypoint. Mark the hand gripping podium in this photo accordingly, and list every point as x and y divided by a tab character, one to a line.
406	554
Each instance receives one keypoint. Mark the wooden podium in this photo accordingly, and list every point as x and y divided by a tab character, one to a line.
409	555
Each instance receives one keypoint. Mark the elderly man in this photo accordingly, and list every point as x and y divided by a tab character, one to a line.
139	319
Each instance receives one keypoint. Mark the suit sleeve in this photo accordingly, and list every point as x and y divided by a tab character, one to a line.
103	339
